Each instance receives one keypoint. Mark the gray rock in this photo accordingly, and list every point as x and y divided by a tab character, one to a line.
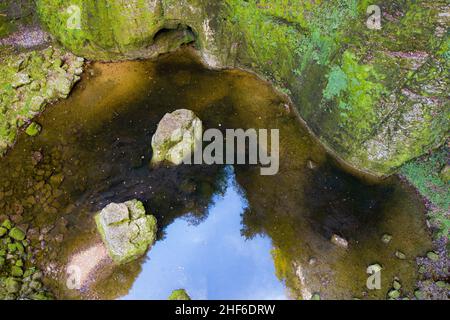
20	79
177	136
339	241
126	230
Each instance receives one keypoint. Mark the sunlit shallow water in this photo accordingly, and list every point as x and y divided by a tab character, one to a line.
222	233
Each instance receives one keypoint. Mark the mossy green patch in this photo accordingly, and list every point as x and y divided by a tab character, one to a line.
179	294
28	81
423	173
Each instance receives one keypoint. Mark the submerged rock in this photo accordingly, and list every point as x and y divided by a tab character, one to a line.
400	255
33	129
126	230
177	136
445	174
386	238
179	294
339	241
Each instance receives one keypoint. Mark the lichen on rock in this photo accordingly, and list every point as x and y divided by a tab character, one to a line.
28	81
178	135
126	230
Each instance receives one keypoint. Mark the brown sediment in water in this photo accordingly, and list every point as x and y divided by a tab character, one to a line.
99	140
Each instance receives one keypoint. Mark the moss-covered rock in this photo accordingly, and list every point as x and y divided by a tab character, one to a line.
19	279
126	230
28	81
178	134
376	97
179	294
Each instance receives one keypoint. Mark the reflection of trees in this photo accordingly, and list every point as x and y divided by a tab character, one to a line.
300	210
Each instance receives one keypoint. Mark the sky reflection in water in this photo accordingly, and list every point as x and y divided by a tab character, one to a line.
211	260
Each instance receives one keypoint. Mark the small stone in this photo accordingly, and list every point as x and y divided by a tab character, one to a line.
312	261
418	294
394	294
56	180
16	271
7	224
315	296
179	294
339	241
400	255
12	285
311	165
396	285
386	238
433	256
445	174
33	129
36	285
20	79
37	156
17	234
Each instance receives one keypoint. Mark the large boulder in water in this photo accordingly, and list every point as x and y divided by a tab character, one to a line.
177	136
126	230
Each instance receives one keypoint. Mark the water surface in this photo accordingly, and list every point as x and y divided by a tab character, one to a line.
223	233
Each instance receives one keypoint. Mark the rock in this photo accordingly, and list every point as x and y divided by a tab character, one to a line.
339	241
20	79
177	136
17	234
37	157
394	294
311	165
418	294
445	174
16	271
433	256
126	230
396	285
400	255
12	285
33	129
56	180
315	296
312	261
179	294
386	238
7	224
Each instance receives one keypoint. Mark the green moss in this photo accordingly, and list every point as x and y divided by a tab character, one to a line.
17	234
28	81
348	81
179	294
33	129
423	173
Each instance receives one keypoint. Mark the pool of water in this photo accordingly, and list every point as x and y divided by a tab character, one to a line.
224	232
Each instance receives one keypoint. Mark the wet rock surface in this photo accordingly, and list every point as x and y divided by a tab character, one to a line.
28	82
178	134
19	278
126	230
